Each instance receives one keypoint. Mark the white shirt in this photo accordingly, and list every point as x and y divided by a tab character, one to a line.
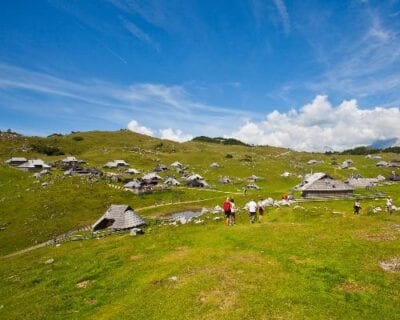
389	202
251	206
233	207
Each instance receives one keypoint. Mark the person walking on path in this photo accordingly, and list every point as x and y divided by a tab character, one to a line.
357	206
389	205
252	208
261	209
227	206
233	212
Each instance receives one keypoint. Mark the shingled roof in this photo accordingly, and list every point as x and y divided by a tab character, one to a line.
322	182
119	217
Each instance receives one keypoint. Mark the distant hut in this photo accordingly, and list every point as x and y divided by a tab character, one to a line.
198	184
160	168
176	165
113	177
133	185
393	164
286	174
121	163
382	164
16	161
132	171
357	181
119	217
225	180
369	156
193	177
151	178
215	165
110	165
321	185
71	162
116	164
34	165
171	181
253	178
84	172
180	170
252	186
346	164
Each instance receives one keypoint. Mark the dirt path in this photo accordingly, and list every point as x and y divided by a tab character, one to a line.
211	190
114	186
175	203
41	245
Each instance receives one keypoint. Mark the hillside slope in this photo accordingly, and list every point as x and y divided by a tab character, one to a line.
35	213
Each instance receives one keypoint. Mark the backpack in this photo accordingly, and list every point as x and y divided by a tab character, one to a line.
227	205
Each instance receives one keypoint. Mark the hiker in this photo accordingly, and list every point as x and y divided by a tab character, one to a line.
357	206
227	210
252	208
233	212
261	209
389	205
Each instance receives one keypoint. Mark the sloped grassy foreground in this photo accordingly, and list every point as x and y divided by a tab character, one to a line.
304	263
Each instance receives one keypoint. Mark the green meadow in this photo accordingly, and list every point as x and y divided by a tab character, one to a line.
313	260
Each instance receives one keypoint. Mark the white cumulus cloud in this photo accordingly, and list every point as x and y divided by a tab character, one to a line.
134	126
168	133
174	135
319	125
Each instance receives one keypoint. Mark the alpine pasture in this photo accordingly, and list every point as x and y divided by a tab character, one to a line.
309	260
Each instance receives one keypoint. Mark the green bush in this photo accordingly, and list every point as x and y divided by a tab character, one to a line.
46	149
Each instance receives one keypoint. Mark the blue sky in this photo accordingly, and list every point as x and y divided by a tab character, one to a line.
288	73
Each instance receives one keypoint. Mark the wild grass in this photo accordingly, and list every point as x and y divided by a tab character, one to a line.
309	264
312	261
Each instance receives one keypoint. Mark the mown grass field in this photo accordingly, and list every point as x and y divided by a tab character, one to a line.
317	261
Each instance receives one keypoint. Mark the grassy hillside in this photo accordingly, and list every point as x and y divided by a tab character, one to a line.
37	213
302	264
313	261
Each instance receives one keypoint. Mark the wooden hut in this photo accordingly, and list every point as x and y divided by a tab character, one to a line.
198	184
321	185
16	161
119	217
171	181
34	165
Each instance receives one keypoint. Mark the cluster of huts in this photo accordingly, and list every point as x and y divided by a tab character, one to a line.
28	165
316	185
152	179
73	166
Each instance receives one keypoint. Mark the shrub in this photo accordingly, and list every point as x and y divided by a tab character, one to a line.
77	138
48	150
